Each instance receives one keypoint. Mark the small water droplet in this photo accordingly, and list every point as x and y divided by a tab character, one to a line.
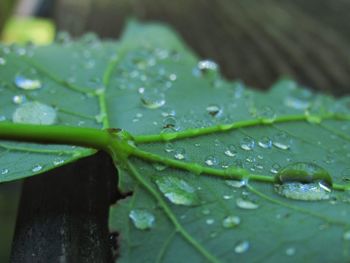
206	67
267	114
246	204
281	141
4	171
34	113
209	221
142	219
152	98
211	160
275	168
170	122
205	211
265	142
180	154
236	183
290	251
178	191
37	168
159	166
231	151
242	246
2	61
25	83
346	235
18	99
231	221
304	181
227	197
169	147
247	143
214	110
58	161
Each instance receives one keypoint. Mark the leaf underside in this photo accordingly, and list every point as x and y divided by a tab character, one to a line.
151	84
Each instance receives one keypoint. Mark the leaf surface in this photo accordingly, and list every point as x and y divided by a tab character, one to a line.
182	111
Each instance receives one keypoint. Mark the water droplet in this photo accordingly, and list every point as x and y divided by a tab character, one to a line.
235	183
169	147
18	99
246	204
34	113
205	211
170	122
25	83
159	166
58	161
290	251
180	154
231	221
178	191
281	141
214	110
152	98
231	151
209	221
247	143
346	235
265	142
37	168
304	181
275	168
242	247
298	99
142	219
206	67
2	61
267	114
4	171
227	197
211	160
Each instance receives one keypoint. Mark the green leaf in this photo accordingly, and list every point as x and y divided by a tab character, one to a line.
218	172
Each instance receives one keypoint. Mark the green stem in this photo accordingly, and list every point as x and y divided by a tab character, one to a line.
227	127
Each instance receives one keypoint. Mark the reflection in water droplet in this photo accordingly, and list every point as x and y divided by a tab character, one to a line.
142	219
246	204
231	221
242	247
304	181
290	251
211	160
178	191
34	113
26	83
247	143
37	168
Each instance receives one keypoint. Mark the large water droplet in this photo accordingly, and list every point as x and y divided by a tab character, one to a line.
180	154
178	191
304	181
25	83
211	160
34	113
242	246
246	204
265	142
142	219
281	141
231	151
231	221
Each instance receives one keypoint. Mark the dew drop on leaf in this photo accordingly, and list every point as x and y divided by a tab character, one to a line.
265	143
214	110
205	211
346	235
290	251
235	183
267	114
242	246
25	83
180	154
169	147
37	168
281	141
231	221
4	171
34	113
275	168
231	151
18	99
209	221
177	191
58	161
142	219
2	61
206	68
304	181
246	204
152	98
159	166
211	160
247	143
